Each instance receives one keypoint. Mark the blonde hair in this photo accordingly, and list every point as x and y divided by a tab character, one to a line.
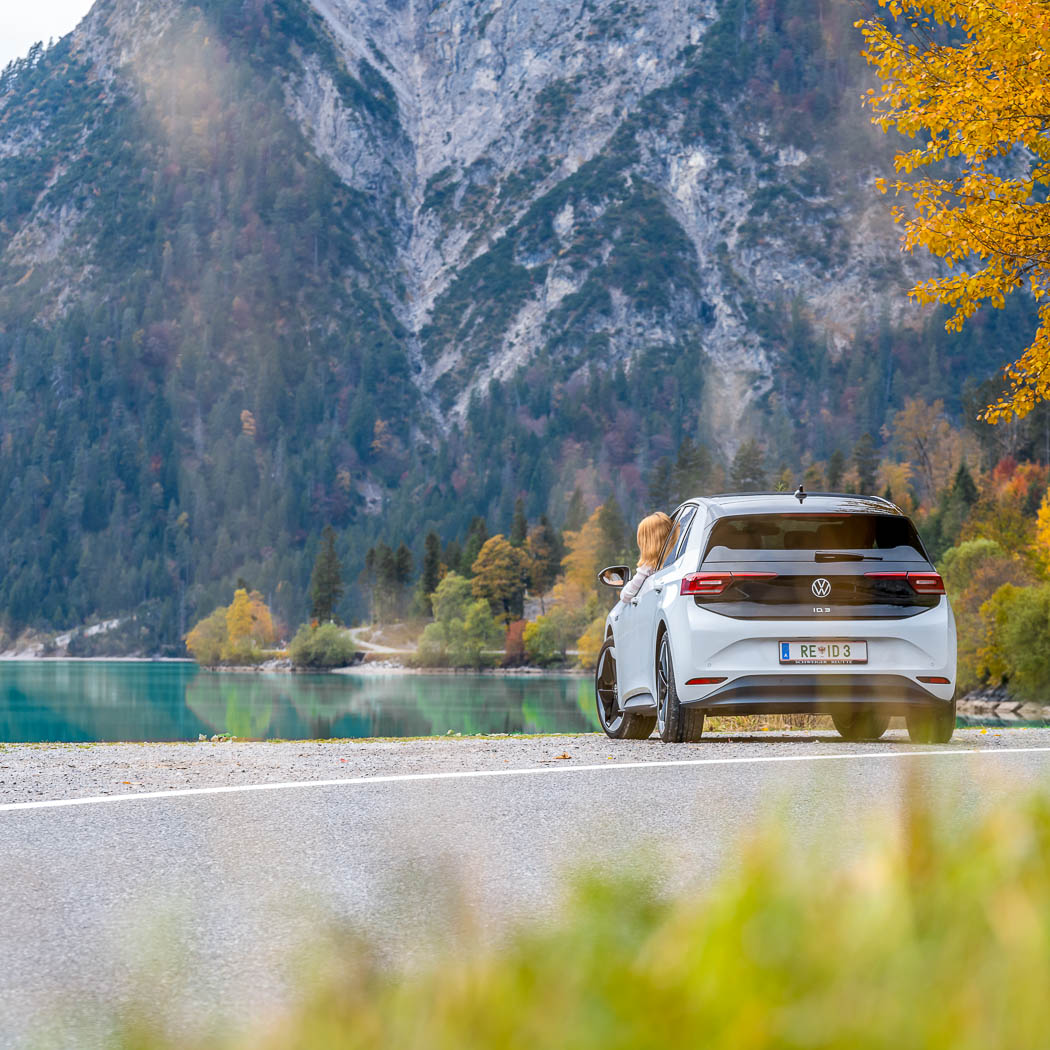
652	531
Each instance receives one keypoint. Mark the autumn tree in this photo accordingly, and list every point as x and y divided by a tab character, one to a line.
235	634
239	620
971	82
581	563
922	435
326	581
207	640
499	577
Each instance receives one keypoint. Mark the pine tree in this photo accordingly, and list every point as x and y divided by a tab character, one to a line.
326	581
691	471
403	566
866	460
453	556
386	582
476	537
660	497
576	514
615	542
963	487
544	558
519	529
836	468
748	473
431	575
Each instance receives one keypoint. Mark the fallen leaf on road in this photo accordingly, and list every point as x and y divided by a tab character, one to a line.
564	754
984	731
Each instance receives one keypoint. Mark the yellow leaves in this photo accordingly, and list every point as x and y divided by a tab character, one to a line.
1041	540
239	618
230	635
972	100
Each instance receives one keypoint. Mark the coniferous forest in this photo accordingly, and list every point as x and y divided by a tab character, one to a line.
208	352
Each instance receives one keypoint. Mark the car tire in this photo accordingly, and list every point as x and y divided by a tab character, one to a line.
617	724
675	722
860	723
926	726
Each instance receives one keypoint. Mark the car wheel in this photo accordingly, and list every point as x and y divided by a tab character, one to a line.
926	726
674	722
619	725
860	723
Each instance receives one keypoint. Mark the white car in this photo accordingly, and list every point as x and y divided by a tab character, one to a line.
781	602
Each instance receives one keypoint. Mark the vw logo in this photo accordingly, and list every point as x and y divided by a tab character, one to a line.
821	588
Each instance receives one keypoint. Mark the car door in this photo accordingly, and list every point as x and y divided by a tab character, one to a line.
662	587
636	633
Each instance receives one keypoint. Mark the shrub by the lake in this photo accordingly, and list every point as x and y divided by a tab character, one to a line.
935	934
326	645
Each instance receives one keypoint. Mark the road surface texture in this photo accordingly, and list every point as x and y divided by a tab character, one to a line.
196	878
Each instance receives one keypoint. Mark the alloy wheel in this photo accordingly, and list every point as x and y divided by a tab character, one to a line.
607	688
663	675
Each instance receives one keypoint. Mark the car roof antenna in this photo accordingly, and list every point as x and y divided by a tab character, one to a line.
800	494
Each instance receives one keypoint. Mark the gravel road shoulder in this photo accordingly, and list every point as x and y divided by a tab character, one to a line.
31	772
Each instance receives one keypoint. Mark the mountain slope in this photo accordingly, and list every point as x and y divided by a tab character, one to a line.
389	265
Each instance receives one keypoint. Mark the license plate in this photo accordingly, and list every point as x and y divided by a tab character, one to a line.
824	652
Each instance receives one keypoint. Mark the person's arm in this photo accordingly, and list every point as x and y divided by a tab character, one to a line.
629	591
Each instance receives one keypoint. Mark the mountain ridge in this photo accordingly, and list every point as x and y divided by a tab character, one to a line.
270	265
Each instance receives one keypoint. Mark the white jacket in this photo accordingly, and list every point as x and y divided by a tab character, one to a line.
629	591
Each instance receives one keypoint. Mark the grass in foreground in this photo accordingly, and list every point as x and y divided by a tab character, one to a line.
935	935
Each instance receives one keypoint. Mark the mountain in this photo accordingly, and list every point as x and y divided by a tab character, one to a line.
267	264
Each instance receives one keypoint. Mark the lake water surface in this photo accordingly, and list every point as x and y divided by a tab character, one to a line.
71	700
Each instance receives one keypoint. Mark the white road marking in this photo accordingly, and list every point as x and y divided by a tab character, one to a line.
404	778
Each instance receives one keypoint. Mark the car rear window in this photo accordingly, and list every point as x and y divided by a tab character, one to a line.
814	532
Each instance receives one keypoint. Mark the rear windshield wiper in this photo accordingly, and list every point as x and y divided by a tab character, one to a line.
844	556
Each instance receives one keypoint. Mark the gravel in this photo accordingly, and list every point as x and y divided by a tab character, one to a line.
31	772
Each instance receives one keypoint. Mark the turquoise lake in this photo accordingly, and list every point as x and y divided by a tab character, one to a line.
80	701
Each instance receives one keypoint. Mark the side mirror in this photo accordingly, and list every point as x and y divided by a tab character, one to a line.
615	575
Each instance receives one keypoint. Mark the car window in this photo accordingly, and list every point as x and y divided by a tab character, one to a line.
814	532
676	539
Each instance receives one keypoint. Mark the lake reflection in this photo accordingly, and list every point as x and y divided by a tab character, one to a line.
68	700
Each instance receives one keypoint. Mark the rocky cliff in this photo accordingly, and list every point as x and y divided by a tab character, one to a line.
273	263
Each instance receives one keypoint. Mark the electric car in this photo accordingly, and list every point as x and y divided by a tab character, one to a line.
781	602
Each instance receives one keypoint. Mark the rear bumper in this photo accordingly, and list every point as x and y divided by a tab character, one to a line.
792	693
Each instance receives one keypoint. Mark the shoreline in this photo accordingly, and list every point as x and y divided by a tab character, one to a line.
28	658
366	668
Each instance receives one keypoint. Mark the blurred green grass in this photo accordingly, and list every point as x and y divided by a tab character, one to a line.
933	932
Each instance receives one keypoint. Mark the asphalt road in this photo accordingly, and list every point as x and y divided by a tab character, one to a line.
197	903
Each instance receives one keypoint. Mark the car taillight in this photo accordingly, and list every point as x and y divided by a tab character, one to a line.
708	584
921	582
926	582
